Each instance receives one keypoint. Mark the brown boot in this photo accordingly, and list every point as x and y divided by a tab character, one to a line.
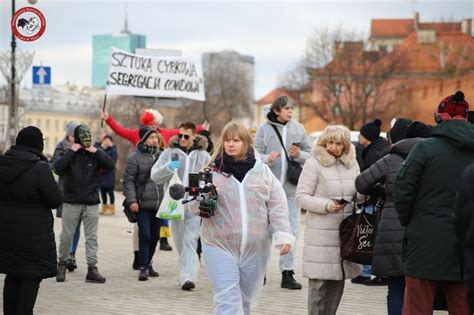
103	209
111	209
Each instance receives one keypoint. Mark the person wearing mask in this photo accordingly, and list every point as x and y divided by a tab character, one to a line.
251	208
186	153
327	179
80	167
59	151
280	124
374	147
107	178
387	260
144	197
27	245
424	196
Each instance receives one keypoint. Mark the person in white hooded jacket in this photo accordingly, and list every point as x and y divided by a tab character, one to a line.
251	208
186	154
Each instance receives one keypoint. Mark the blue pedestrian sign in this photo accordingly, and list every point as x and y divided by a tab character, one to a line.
42	75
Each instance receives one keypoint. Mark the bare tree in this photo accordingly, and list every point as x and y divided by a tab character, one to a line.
229	79
352	85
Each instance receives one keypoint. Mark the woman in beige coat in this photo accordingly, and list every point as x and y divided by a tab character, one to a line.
327	178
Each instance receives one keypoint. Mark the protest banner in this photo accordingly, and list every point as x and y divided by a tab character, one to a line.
131	74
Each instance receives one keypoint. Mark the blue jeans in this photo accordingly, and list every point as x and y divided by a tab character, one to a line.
366	270
148	235
75	240
396	291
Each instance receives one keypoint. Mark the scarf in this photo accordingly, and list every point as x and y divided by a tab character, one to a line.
147	149
238	168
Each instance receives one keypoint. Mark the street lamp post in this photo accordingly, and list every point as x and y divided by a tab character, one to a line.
13	85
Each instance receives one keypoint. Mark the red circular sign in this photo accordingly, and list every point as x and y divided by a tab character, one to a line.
29	27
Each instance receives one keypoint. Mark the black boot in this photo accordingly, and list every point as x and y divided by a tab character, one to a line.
61	275
164	244
71	262
152	272
143	275
288	282
136	262
94	276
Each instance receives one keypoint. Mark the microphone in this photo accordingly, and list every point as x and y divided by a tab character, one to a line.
177	191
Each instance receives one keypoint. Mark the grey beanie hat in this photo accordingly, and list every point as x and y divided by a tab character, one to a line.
70	127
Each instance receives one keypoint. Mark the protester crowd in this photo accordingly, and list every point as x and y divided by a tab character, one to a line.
414	189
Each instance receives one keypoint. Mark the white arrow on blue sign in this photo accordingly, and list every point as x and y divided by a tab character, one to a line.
41	75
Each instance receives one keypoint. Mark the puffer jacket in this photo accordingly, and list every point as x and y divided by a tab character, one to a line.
147	194
28	192
387	260
191	162
324	178
266	141
80	171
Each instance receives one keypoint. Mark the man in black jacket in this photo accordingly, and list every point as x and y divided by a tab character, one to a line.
80	167
465	229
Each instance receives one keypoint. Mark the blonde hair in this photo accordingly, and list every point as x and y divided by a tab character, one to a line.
336	133
229	131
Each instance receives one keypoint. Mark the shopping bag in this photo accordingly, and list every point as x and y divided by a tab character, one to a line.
357	234
171	209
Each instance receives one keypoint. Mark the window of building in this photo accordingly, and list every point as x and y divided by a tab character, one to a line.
28	122
47	124
38	123
56	125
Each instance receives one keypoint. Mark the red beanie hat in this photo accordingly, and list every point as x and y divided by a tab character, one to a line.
453	107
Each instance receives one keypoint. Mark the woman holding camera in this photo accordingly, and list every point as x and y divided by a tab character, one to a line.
144	197
251	207
325	189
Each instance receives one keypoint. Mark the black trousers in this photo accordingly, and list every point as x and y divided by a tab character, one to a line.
470	293
19	295
104	191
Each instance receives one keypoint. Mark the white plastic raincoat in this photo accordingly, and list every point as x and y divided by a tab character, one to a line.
185	233
236	241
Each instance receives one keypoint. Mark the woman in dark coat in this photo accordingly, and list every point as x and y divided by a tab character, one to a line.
28	192
387	260
144	197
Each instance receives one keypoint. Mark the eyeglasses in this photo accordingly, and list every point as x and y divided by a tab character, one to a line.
180	136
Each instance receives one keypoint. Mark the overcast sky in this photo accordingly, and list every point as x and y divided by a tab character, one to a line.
274	32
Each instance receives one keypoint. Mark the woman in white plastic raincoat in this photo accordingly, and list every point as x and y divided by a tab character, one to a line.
251	208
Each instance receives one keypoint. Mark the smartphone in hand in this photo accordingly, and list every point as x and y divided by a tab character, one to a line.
342	201
296	144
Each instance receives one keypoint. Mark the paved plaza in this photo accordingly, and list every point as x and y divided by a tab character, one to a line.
124	294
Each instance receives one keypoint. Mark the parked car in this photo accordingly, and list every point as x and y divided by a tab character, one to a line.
354	136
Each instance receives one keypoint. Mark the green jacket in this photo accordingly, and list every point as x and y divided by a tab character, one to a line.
424	195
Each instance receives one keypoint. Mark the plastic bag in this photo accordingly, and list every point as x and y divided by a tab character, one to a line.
171	209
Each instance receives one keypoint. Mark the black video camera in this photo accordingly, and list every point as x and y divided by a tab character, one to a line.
200	185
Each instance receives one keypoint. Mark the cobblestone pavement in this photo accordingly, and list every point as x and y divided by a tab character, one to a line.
124	294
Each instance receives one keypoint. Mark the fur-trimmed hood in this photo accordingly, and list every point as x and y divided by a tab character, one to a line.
200	143
327	159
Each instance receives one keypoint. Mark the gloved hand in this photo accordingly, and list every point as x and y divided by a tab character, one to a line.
174	165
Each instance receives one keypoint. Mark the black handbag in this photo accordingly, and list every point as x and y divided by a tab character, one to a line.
357	234
294	168
132	216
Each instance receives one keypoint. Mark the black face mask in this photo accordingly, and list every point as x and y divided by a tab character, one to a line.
82	135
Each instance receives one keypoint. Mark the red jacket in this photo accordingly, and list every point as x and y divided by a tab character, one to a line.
133	136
